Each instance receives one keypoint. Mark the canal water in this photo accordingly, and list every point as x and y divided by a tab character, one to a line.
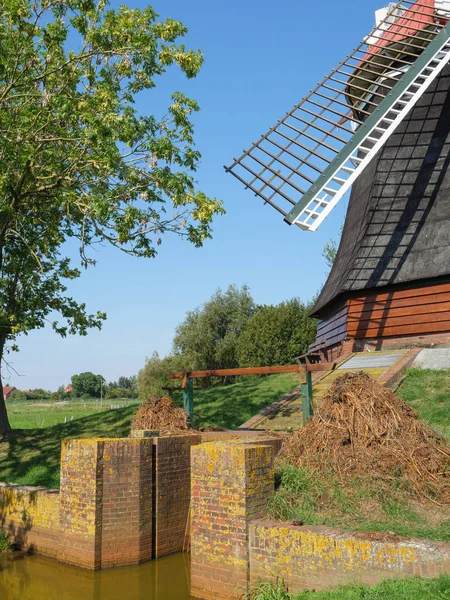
37	578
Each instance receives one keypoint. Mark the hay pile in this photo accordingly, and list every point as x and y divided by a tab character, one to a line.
363	429
160	414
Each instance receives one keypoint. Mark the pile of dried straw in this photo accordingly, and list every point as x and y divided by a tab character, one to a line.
160	414
363	429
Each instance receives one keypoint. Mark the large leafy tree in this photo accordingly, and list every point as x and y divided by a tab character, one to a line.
87	384
275	335
78	161
209	335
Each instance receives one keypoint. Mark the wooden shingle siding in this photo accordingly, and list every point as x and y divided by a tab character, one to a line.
403	312
331	330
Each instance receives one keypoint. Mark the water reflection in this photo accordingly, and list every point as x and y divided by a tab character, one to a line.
37	578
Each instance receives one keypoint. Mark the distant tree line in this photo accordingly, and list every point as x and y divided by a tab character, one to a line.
89	385
230	330
84	385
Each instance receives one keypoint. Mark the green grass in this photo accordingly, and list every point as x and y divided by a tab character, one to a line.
316	499
32	453
393	589
36	415
230	406
428	392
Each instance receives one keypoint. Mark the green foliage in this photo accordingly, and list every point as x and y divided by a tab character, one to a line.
398	589
36	394
78	162
120	392
4	542
275	335
229	331
208	337
129	383
329	252
262	590
152	379
17	396
87	385
330	249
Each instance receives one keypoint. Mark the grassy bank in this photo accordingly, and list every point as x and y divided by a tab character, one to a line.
232	405
428	392
369	504
405	589
31	455
359	505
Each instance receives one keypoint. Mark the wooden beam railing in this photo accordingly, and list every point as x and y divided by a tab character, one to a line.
304	370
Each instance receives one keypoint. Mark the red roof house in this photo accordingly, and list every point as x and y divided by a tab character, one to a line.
7	391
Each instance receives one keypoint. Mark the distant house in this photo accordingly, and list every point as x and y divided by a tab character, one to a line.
7	391
68	388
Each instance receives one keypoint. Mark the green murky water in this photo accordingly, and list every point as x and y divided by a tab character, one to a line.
37	578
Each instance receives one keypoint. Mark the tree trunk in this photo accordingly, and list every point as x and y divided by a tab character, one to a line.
4	422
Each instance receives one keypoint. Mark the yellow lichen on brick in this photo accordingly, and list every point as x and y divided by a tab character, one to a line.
30	506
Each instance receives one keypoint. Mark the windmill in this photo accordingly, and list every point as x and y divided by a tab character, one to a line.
379	124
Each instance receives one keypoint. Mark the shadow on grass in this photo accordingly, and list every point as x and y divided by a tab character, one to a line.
32	456
230	406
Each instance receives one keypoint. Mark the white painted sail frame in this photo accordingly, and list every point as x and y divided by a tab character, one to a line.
323	202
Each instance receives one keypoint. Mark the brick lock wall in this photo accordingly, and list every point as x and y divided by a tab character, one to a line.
322	558
30	516
231	483
172	496
106	502
122	502
126	507
81	494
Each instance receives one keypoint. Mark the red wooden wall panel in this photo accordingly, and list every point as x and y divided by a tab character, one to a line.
402	312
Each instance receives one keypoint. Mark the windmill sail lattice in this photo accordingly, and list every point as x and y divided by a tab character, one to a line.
304	165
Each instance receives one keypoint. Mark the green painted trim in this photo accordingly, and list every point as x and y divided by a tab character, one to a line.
188	401
364	130
307	395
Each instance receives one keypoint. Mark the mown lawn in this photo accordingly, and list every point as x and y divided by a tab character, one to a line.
39	415
394	589
32	453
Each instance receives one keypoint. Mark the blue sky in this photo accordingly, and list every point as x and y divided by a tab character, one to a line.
260	59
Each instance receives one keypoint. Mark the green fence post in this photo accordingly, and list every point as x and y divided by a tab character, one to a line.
307	398
188	400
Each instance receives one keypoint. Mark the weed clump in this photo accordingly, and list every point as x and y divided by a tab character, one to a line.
4	542
160	414
362	429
